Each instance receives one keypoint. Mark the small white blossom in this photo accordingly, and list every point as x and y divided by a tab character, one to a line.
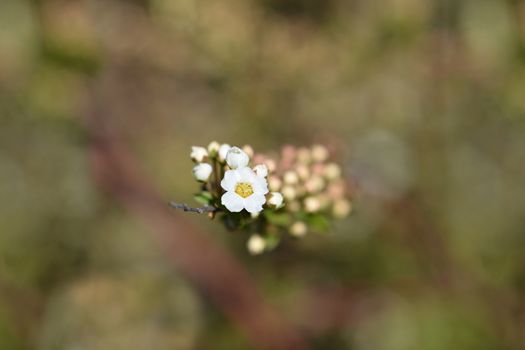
244	190
261	170
237	158
256	244
275	199
223	151
213	148
202	171
198	154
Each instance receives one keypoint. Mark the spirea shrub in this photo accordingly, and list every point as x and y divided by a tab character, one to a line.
268	197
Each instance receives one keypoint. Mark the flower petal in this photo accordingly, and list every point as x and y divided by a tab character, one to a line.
254	203
260	185
231	177
232	201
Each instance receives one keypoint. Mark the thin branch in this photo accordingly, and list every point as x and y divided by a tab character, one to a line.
201	210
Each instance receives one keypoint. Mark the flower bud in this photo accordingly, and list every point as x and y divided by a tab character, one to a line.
319	153
261	170
303	172
223	151
341	208
332	171
256	244
289	192
237	158
290	177
303	155
270	163
274	183
248	150
314	184
198	154
202	172
275	200
298	229
312	204
213	149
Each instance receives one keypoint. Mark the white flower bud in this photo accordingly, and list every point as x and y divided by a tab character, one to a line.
332	171
319	153
289	193
274	183
290	177
213	148
261	170
223	151
237	158
198	154
315	184
256	244
298	229
303	155
341	208
270	163
248	150
312	204
275	199
202	172
303	172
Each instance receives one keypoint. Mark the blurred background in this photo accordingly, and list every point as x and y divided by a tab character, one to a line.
423	102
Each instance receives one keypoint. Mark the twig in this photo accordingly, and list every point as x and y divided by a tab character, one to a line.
201	210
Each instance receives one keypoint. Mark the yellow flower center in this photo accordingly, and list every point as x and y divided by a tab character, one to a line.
244	189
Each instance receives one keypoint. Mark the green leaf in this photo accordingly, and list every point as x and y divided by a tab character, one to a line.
272	241
279	219
318	222
204	197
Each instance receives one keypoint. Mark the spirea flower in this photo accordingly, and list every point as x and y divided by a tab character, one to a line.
307	187
244	190
198	154
237	158
275	199
202	172
261	170
223	151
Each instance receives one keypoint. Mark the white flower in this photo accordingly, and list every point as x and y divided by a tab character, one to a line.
202	171
223	151
319	153
237	158
244	190
213	148
261	170
198	153
256	244
275	199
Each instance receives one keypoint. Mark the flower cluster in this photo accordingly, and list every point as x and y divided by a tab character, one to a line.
296	193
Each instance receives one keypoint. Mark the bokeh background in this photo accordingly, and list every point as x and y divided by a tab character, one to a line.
422	101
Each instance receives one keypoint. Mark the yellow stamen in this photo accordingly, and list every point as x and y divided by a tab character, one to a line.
244	189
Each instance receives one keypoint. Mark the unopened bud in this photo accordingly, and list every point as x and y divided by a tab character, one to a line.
256	244
198	154
298	229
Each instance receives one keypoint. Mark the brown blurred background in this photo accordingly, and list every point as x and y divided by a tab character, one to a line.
423	102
